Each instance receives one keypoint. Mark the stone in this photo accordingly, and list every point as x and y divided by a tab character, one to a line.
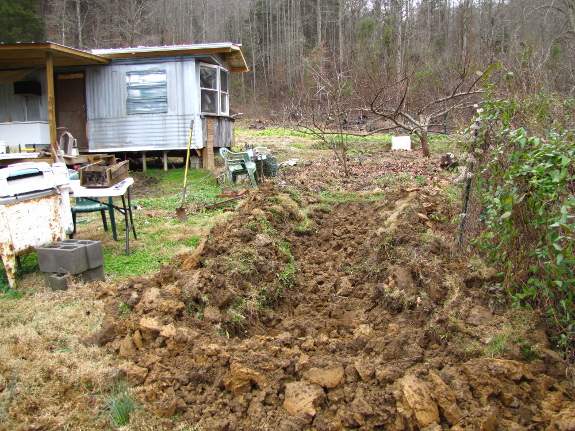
136	374
327	377
302	398
446	399
241	379
168	331
194	261
479	316
137	338
150	324
127	347
365	370
212	314
418	400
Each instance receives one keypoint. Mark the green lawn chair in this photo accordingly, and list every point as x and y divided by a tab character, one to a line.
84	205
239	164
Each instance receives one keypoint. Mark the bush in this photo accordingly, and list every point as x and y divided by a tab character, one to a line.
524	187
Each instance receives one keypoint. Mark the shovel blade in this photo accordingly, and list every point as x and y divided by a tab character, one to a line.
181	213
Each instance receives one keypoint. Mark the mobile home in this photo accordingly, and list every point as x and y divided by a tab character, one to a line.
122	100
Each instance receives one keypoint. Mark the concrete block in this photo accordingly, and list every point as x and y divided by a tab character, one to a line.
94	251
92	274
71	256
59	280
63	258
56	281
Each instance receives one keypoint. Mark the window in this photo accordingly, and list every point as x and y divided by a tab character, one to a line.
214	90
147	92
224	91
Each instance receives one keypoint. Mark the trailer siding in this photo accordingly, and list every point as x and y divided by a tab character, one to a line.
110	128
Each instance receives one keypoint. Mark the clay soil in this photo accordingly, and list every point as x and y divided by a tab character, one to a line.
331	303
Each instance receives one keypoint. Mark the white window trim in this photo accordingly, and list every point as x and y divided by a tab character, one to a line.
218	89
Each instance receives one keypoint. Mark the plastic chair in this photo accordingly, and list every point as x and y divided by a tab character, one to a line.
239	164
84	205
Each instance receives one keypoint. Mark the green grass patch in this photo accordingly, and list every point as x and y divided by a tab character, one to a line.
29	264
272	131
441	144
120	405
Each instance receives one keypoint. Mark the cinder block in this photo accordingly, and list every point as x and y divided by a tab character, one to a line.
56	281
59	280
92	274
70	256
94	251
63	258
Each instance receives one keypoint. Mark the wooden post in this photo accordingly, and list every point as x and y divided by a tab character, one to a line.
51	97
208	150
144	166
165	160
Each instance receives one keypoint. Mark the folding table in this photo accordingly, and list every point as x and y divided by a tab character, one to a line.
121	189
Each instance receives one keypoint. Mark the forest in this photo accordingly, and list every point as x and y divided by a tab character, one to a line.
437	42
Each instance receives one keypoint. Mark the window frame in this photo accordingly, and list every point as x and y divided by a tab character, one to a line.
161	100
219	70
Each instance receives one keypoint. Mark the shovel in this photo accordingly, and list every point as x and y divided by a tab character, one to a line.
181	211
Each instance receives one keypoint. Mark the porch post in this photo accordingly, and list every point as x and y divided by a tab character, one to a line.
51	98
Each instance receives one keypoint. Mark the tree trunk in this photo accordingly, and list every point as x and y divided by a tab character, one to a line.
79	20
423	140
318	15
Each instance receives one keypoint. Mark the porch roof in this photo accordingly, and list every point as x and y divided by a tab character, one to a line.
33	55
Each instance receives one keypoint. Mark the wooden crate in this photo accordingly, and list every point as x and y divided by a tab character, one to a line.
101	175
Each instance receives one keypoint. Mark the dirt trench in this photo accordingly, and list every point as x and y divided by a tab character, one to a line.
299	314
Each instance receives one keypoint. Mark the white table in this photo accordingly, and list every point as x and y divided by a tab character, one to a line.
121	189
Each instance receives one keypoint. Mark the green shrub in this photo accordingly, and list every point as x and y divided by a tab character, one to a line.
525	189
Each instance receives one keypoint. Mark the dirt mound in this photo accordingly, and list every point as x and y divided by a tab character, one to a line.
299	314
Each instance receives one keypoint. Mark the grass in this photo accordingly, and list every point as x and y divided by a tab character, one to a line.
120	404
161	235
272	131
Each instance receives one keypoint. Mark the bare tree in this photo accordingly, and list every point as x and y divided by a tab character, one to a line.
324	109
396	103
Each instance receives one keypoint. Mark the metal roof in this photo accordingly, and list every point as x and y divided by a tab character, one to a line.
33	55
231	52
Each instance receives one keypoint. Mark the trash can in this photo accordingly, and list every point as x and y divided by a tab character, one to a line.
34	210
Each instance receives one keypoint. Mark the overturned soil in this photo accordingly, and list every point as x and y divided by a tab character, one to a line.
303	312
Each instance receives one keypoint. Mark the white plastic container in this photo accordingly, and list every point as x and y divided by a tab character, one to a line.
401	143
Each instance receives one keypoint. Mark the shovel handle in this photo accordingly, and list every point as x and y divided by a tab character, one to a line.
188	154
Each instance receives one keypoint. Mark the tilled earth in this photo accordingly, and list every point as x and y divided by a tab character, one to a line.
305	312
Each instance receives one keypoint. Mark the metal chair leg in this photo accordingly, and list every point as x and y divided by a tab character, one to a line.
104	221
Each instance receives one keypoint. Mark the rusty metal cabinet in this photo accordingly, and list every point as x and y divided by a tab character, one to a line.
34	210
